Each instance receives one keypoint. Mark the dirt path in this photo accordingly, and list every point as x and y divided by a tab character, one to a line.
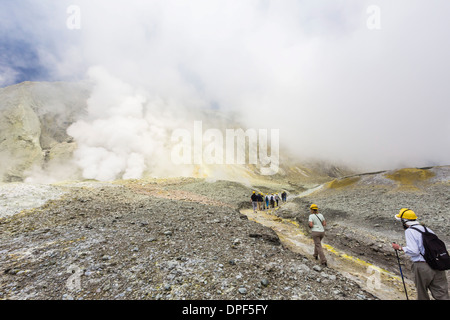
381	283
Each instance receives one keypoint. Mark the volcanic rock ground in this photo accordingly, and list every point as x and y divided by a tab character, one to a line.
360	212
187	239
172	239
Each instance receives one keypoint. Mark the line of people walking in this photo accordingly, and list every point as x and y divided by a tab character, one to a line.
430	258
262	203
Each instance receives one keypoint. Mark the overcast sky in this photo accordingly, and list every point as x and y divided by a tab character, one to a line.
364	82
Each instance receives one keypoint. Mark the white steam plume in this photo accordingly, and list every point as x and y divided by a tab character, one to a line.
124	133
313	69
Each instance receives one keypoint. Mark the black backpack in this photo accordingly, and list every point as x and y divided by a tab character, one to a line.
436	254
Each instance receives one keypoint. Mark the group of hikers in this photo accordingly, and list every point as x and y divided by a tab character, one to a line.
428	254
261	202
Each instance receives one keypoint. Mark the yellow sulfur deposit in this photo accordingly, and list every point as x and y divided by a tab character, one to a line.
408	178
342	183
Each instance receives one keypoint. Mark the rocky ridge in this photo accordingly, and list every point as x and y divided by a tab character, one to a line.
34	117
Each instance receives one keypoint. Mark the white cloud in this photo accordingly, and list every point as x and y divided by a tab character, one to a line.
7	76
313	69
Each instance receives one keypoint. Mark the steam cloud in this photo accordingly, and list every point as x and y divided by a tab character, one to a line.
374	99
126	132
116	136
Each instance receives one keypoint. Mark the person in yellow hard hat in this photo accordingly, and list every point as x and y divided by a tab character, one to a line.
254	199
317	224
283	196
260	201
425	278
272	201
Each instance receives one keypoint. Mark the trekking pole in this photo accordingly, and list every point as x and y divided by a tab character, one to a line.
401	273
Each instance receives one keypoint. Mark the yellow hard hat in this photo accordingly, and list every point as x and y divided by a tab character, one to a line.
314	207
407	214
